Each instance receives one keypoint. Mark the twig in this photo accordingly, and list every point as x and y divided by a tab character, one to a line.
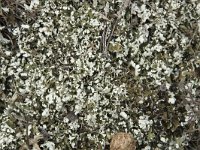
111	34
105	40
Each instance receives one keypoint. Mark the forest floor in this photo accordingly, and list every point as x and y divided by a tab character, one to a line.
73	73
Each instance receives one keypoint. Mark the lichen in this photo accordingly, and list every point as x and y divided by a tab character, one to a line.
83	70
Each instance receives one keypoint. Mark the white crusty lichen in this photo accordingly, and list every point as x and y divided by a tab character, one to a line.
83	87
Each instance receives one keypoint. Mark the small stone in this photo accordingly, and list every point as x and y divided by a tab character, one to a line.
122	141
124	115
